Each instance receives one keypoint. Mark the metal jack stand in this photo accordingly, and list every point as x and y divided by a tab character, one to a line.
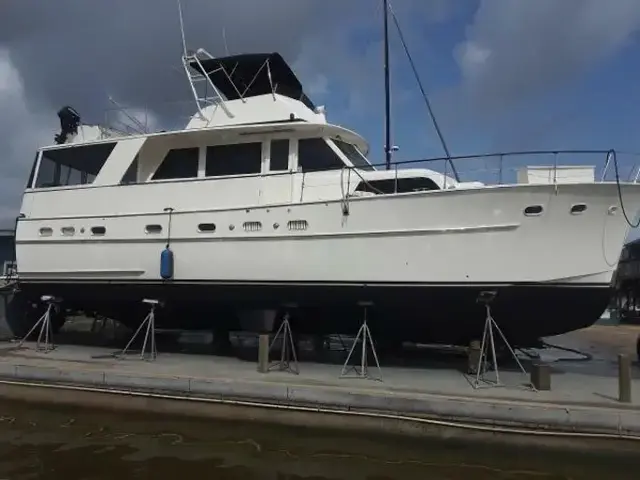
488	342
287	344
150	333
46	329
364	334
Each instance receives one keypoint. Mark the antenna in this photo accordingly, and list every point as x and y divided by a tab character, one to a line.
123	111
184	42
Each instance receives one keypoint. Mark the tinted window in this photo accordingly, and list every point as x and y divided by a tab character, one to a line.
279	155
73	165
353	154
178	163
239	159
315	155
414	184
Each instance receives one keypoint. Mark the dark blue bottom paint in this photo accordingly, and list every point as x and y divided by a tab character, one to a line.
437	313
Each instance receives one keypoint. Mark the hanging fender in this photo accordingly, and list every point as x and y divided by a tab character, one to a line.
166	263
166	257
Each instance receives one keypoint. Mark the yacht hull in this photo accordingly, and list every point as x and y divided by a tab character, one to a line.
421	259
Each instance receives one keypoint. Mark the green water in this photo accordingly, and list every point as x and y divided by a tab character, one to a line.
39	442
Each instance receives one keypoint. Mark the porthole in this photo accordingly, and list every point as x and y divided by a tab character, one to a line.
297	224
207	227
46	232
68	231
578	208
153	229
252	226
98	231
533	210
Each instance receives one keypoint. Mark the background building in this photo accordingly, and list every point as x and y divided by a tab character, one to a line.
6	252
627	284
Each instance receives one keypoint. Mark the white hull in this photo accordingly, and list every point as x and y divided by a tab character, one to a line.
458	236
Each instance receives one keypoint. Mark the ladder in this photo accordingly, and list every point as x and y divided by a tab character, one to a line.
208	94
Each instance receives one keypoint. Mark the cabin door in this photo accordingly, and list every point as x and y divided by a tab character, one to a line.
278	180
276	189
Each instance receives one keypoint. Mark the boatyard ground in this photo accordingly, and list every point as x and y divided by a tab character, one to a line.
423	392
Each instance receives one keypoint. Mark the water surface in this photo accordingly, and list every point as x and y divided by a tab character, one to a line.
38	442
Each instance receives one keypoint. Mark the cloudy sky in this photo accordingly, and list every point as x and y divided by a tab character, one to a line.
502	75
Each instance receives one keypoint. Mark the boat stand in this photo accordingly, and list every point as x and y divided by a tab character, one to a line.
364	335
287	349
150	333
46	330
488	345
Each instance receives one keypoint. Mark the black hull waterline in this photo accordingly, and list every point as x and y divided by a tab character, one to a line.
430	313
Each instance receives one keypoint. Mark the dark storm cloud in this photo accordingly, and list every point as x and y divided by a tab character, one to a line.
82	51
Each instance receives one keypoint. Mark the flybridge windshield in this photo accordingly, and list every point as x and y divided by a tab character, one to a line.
353	154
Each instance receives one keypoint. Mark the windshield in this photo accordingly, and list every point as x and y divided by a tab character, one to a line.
353	154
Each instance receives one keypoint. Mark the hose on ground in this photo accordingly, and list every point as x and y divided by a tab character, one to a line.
585	356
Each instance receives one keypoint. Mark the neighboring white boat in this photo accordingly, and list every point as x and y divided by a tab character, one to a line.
264	203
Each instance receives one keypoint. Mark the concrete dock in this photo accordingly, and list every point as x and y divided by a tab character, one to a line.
582	403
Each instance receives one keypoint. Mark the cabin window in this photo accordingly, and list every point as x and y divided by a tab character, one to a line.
238	159
207	227
131	175
353	154
404	185
153	228
279	155
98	231
46	232
68	231
533	210
72	165
578	208
315	155
178	163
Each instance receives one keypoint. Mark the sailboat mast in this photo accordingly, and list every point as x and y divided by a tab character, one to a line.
387	94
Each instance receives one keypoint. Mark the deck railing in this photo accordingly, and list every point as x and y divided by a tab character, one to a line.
503	167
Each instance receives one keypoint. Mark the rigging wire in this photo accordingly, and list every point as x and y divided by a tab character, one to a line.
424	94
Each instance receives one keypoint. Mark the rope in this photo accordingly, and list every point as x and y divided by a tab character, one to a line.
424	94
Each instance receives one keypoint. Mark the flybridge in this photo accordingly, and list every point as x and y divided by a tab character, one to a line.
250	75
230	91
222	87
